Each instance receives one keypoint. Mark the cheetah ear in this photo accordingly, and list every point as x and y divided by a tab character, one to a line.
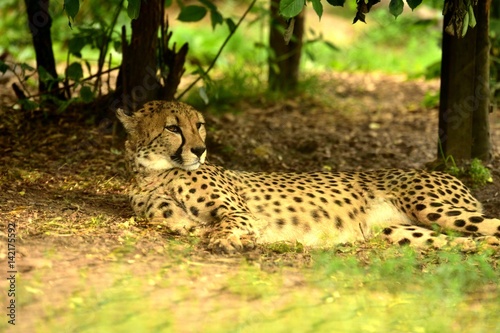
127	121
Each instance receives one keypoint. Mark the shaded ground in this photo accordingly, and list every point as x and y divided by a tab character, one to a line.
64	184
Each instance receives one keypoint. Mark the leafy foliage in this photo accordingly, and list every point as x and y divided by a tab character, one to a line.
336	2
462	17
195	13
462	11
192	13
413	3
74	71
3	67
81	80
479	174
291	8
396	7
133	8
318	7
71	7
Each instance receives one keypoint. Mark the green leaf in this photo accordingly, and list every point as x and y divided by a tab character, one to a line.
71	7
216	18
231	25
87	64
331	46
76	45
396	7
3	67
472	17
413	3
74	71
291	8
134	8
45	76
318	7
310	55
86	94
336	2
26	67
64	105
117	45
209	4
168	3
28	105
192	13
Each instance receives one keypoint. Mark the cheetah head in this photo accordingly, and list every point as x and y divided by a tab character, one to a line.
165	135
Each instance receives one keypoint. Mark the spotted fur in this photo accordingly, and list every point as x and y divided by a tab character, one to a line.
235	210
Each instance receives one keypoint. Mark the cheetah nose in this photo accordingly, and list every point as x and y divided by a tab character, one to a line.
198	151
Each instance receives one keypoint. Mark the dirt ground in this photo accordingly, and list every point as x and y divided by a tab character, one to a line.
63	180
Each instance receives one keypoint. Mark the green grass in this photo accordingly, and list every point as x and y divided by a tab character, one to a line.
376	290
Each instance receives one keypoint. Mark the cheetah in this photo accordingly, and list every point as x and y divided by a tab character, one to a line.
232	211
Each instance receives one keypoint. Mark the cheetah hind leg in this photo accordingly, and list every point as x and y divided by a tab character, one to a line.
420	237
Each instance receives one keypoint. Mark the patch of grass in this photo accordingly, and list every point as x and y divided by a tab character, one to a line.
285	247
377	290
478	173
250	283
98	221
431	99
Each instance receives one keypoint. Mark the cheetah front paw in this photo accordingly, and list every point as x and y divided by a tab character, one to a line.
231	244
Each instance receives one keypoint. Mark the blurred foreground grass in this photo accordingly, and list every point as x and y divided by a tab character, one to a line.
372	288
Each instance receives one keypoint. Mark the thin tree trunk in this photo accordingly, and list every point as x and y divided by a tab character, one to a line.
39	21
481	143
464	99
139	66
495	52
146	56
284	63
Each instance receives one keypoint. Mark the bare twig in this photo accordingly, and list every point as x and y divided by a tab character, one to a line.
362	232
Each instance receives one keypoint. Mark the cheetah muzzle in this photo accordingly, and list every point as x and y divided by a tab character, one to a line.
234	210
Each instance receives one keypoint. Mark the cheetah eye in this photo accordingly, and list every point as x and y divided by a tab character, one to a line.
199	125
173	128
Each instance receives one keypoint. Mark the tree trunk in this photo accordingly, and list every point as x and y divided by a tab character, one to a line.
464	101
495	50
285	60
139	67
39	21
148	55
